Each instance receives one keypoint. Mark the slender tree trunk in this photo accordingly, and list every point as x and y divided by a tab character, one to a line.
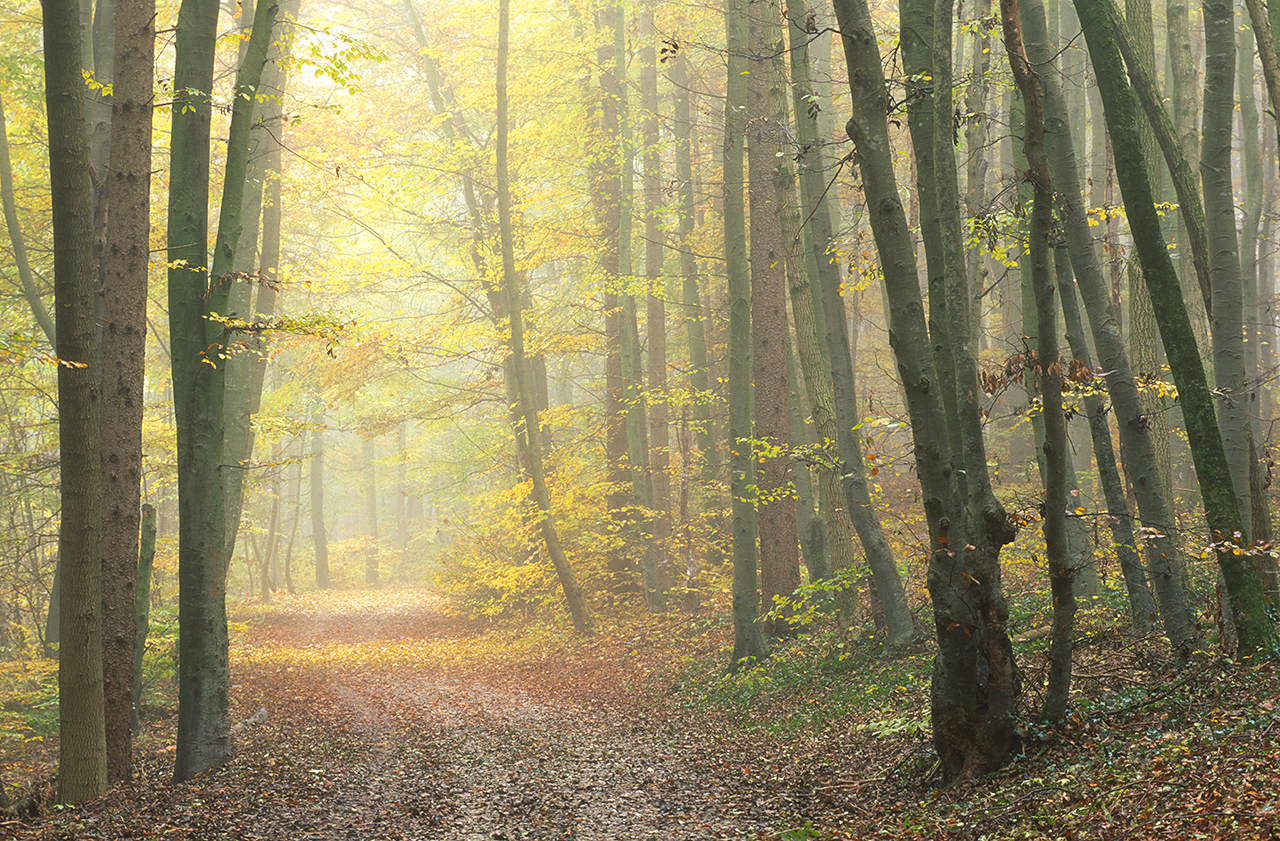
18	242
82	760
1056	457
656	396
1136	447
142	607
371	511
526	428
608	192
819	307
699	371
319	537
748	637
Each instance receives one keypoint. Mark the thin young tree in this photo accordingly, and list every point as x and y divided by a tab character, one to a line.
526	424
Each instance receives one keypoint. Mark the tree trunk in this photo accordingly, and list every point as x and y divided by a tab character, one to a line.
1254	626
142	605
82	760
123	357
18	242
198	339
975	684
775	515
608	194
369	452
748	637
1056	457
319	537
819	307
526	427
656	397
1231	380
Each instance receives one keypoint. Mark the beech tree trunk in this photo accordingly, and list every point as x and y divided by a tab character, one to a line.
748	637
975	679
125	266
82	754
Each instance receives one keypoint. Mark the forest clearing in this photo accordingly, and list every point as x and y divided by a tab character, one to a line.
387	718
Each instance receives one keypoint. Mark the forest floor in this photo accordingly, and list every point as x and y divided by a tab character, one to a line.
388	718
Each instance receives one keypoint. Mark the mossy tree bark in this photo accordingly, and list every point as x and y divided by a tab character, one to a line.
1255	630
975	681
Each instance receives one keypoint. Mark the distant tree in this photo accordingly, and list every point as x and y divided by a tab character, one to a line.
525	423
748	636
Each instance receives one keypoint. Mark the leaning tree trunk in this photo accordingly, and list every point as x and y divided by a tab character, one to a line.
1254	628
1056	457
526	426
819	307
1135	437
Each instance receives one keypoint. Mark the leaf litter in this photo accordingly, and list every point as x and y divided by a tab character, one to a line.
389	718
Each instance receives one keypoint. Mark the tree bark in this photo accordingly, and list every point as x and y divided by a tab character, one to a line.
82	759
128	247
748	637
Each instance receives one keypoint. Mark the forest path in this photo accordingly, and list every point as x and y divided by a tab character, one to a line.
380	712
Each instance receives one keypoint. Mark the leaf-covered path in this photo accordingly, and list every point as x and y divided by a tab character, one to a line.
385	719
422	747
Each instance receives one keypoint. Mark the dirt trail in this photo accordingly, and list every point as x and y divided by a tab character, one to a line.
426	750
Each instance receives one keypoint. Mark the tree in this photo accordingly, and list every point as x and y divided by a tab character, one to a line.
1255	631
748	637
525	424
975	679
82	764
319	537
198	339
775	514
124	329
1049	369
